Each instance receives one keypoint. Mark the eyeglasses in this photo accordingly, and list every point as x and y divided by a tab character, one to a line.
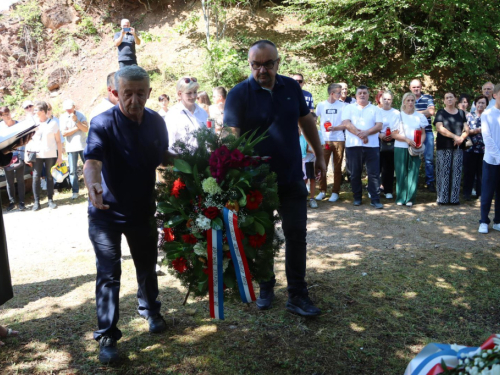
5	114
267	65
188	80
29	106
299	81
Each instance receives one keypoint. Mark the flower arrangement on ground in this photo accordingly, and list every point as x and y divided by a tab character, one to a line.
217	203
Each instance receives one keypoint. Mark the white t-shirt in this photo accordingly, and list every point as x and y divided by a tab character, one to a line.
181	123
331	112
390	119
490	129
410	123
78	140
363	119
217	114
44	140
162	113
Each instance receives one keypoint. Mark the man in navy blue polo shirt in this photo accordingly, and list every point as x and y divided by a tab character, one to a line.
425	105
125	145
272	102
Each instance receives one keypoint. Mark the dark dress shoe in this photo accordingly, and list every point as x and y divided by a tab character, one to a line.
302	306
157	324
265	300
108	351
377	204
357	202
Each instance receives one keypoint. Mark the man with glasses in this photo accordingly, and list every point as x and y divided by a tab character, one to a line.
330	113
272	102
29	109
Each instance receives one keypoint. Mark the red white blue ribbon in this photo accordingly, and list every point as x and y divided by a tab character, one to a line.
238	256
428	361
215	274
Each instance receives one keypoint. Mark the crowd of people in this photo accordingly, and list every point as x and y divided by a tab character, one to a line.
126	142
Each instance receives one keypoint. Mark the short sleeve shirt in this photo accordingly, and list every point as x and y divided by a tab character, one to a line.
309	99
474	122
76	141
331	112
45	140
408	125
181	124
424	102
249	107
126	50
362	118
130	153
453	123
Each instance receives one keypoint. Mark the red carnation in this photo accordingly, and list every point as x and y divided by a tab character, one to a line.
178	186
236	158
180	265
257	240
254	199
168	234
211	212
189	239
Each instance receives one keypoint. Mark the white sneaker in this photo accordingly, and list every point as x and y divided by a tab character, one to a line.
399	204
483	228
320	196
312	203
43	184
409	204
473	192
389	196
496	227
334	197
74	196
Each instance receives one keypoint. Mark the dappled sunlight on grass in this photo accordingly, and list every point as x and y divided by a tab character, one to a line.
484	269
357	328
457	267
460	302
410	295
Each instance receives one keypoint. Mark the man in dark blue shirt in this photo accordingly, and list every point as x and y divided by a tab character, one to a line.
125	145
126	40
272	102
299	78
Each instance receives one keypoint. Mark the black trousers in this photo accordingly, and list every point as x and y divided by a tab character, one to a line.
387	171
293	212
473	171
18	175
37	172
106	239
369	156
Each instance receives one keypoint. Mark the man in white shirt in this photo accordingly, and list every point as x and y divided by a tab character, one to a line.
106	103
490	129
330	113
74	128
487	90
363	122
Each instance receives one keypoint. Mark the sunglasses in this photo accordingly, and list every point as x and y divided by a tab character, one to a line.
29	106
299	80
268	65
188	80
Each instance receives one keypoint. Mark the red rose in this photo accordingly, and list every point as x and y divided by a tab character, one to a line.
254	199
211	212
257	240
178	186
168	234
189	239
180	265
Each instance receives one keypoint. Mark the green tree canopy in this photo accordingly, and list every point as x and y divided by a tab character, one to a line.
389	42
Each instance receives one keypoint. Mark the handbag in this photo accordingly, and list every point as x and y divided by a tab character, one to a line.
15	163
386	146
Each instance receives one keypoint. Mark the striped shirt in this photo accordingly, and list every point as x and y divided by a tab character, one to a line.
425	101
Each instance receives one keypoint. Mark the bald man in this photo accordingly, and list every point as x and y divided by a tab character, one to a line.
126	40
487	91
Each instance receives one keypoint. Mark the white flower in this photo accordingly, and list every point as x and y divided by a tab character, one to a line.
489	351
481	364
455	347
200	249
474	371
495	370
203	222
466	361
210	186
484	355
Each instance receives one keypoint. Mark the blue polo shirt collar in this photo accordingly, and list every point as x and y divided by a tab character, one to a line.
256	86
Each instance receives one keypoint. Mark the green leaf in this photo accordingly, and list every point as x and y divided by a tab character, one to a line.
250	252
259	228
217	223
229	280
245	223
182	166
265	222
172	247
176	220
165	208
197	181
202	286
243	200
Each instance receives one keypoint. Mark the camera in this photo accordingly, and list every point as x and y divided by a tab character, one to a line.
126	29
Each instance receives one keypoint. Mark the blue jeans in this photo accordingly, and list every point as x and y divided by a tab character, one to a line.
369	156
490	186
106	239
293	213
429	157
73	167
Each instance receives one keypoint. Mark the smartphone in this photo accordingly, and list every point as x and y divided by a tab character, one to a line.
126	29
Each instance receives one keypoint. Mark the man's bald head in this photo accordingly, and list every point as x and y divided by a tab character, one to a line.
263	44
488	90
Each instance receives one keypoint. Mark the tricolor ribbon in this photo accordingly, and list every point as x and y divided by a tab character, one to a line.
243	276
215	271
215	274
428	361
